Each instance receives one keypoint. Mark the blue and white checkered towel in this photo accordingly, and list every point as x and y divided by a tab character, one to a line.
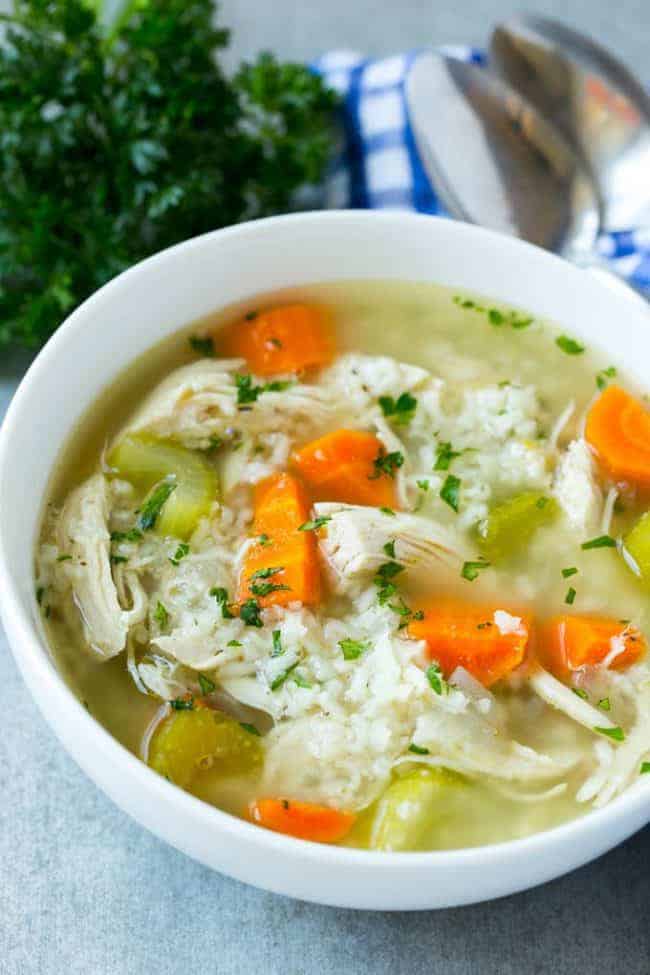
380	168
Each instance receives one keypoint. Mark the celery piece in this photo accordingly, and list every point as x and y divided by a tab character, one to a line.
192	741
149	464
636	544
512	524
409	809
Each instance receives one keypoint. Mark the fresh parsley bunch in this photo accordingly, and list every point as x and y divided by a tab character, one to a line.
118	139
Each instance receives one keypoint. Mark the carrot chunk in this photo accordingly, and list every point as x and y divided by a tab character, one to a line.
285	339
618	429
304	820
281	565
488	642
341	466
571	642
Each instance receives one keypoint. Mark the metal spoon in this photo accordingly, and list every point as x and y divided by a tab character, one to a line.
496	161
592	98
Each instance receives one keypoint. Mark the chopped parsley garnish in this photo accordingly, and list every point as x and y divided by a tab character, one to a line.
40	592
278	649
541	502
250	728
267	573
567	573
387	511
495	316
570	596
180	553
352	649
132	535
206	685
417	750
250	316
263	540
645	768
400	410
152	507
569	345
579	692
63	558
300	680
386	463
118	559
603	541
471	570
616	734
234	643
444	456
249	612
383	579
264	588
450	491
161	615
215	443
315	524
221	595
436	680
247	393
202	344
282	676
604	375
389	549
183	704
605	704
423	485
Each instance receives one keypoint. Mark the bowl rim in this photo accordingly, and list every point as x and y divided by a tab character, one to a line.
34	659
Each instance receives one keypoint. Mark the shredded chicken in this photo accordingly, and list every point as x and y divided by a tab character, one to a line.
356	537
198	402
576	488
83	535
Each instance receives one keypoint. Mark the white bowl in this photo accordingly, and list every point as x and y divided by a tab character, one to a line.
154	299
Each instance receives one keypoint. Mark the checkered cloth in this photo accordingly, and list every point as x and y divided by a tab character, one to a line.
379	166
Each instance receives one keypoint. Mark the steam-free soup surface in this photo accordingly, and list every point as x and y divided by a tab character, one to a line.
376	571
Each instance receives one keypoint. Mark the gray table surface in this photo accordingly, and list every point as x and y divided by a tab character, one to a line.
85	890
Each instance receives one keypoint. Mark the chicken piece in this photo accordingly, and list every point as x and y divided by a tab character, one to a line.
359	381
576	488
356	537
199	402
83	535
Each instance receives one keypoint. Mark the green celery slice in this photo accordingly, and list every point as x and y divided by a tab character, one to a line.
637	544
146	462
512	524
187	743
409	809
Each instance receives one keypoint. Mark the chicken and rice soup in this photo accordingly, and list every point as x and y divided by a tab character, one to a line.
366	564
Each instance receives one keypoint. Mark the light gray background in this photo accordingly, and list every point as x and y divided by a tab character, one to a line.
84	890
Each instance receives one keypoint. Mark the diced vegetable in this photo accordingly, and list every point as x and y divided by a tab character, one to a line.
511	525
487	641
148	463
303	820
410	808
191	741
637	545
342	466
618	429
281	340
283	567
572	642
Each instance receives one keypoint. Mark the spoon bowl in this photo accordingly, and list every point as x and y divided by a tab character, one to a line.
496	161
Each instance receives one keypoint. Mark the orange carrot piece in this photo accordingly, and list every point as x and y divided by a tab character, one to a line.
618	429
572	642
340	467
473	637
303	820
281	507
285	339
